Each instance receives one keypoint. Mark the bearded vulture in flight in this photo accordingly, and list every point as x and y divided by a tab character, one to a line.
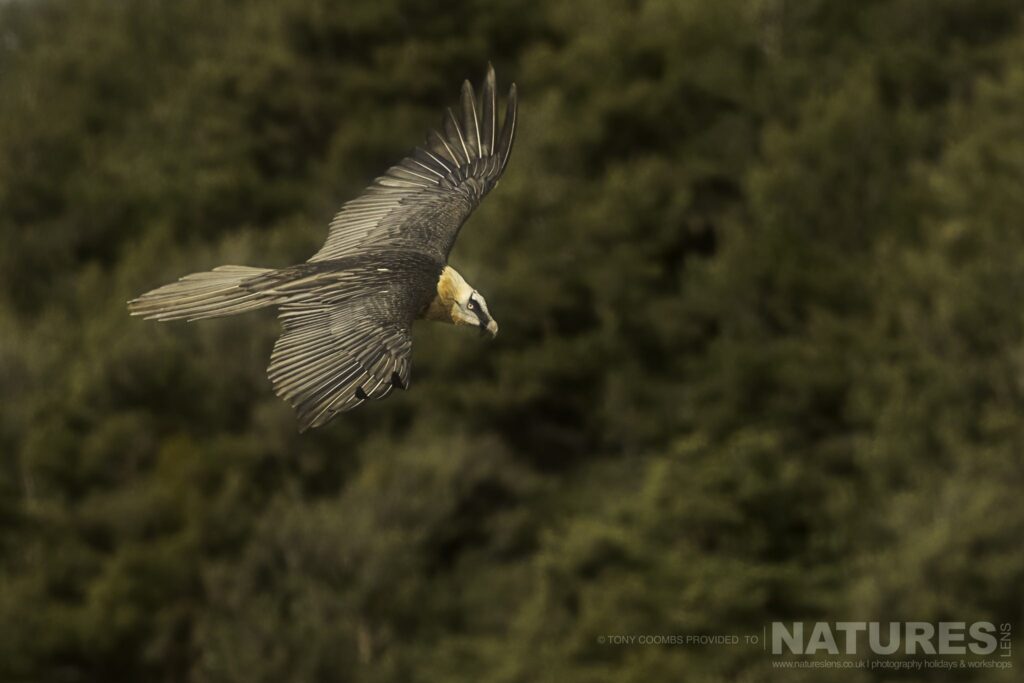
347	312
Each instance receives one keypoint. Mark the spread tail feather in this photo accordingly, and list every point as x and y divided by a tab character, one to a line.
213	294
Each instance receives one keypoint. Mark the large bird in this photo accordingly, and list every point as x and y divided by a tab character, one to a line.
347	312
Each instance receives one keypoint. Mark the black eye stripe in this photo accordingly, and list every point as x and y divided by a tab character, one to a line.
478	310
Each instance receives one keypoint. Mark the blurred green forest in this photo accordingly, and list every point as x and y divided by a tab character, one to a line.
759	268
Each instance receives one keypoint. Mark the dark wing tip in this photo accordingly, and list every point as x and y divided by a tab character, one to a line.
508	127
456	140
488	102
469	133
470	121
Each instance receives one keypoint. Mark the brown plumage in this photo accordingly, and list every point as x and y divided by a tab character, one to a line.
347	313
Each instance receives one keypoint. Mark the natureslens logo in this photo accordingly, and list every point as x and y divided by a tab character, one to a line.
980	638
868	645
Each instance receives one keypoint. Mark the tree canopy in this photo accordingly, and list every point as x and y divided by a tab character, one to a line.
758	268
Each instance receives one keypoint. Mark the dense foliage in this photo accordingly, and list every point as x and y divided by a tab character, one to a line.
758	268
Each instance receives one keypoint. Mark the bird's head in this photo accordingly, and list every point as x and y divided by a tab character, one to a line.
472	310
458	303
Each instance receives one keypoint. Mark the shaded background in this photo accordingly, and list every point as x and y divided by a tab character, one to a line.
758	271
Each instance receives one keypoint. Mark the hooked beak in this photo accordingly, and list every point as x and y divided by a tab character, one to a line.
491	329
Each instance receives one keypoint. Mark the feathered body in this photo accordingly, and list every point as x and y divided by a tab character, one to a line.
347	313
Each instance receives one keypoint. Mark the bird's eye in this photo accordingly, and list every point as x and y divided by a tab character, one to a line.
472	305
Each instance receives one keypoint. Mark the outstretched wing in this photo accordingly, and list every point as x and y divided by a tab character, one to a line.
421	203
347	332
328	361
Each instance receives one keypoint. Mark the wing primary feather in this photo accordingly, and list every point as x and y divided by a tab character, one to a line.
424	167
326	407
469	118
489	110
325	392
508	128
437	137
429	180
404	172
456	131
448	169
426	157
